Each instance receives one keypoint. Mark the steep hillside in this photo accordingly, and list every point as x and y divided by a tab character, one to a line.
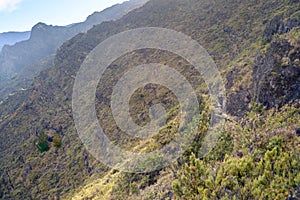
11	38
24	58
257	156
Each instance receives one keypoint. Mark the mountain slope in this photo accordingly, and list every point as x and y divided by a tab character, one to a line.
234	33
43	42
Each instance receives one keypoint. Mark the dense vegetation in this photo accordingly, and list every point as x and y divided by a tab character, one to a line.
262	161
256	47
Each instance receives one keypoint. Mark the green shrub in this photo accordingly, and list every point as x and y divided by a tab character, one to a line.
43	144
262	164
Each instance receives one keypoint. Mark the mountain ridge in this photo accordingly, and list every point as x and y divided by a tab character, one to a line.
43	42
11	38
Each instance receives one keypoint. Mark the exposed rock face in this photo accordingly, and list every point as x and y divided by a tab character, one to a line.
276	75
298	132
278	26
239	100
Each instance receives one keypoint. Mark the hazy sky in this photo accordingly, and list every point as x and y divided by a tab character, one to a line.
21	15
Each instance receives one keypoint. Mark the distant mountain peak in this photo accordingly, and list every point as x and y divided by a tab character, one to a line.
43	42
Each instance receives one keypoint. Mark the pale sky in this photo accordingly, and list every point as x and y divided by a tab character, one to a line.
21	15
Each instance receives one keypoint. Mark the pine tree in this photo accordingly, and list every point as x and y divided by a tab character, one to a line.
43	143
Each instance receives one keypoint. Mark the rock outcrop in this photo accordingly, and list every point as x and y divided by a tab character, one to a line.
277	75
278	26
